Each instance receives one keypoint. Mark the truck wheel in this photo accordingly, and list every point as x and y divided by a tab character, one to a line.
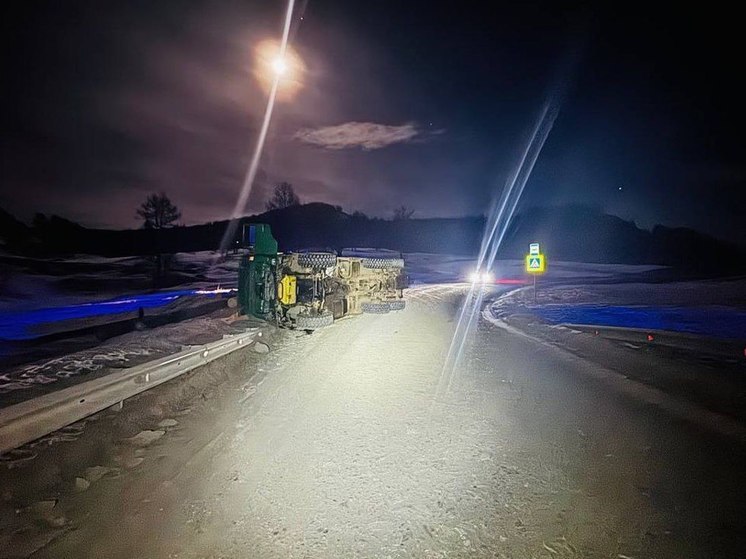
379	263
397	305
314	321
375	308
317	259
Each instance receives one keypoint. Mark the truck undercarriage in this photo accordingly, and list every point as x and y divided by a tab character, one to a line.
310	290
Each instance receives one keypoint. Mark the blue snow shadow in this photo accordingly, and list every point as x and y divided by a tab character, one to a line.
19	325
714	322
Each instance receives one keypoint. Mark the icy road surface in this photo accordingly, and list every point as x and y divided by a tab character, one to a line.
338	448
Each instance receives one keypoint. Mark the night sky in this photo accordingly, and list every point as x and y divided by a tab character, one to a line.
418	103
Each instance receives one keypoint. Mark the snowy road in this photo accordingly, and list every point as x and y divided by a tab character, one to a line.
337	448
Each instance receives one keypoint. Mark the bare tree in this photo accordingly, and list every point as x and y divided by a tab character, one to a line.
158	212
283	197
403	212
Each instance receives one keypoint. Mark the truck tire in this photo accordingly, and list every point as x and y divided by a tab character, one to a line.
379	263
314	321
375	308
398	305
317	260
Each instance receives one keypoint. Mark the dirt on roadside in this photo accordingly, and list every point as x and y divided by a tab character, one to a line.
46	483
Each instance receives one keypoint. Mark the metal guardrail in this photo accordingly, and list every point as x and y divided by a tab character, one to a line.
29	420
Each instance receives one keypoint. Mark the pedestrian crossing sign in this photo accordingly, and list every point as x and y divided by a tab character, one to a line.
536	264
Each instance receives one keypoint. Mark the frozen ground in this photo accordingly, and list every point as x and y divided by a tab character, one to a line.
606	294
25	381
714	322
711	308
36	323
29	284
40	297
34	283
340	444
689	343
43	297
725	292
620	289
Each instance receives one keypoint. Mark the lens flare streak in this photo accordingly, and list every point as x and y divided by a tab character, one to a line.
498	221
248	182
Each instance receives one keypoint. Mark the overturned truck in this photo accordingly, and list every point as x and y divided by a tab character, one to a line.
311	289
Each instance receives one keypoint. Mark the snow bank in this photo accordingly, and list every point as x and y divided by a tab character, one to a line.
714	309
24	381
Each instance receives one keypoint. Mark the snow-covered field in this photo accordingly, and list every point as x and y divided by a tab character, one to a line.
46	296
728	292
32	379
50	295
604	294
569	292
88	289
31	283
443	268
27	283
715	309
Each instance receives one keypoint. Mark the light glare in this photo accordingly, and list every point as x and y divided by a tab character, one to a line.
481	277
279	66
273	88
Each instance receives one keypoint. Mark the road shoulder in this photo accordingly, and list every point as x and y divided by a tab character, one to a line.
695	378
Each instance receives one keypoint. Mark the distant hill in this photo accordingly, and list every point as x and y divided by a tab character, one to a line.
12	231
571	233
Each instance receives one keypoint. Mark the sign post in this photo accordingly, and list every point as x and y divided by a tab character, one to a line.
536	263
